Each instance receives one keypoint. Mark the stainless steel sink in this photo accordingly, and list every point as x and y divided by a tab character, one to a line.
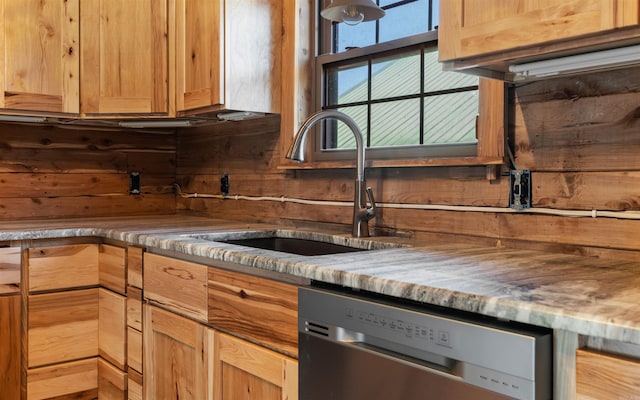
294	242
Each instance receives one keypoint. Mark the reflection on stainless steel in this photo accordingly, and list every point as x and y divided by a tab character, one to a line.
361	213
356	348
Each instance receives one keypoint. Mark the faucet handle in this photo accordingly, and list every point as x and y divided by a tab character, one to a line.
371	211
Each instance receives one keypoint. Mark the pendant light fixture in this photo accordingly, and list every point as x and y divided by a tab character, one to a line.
352	12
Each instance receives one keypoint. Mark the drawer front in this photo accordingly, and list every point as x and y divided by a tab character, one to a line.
257	308
63	267
134	349
112	382
9	270
112	267
134	266
178	285
134	385
62	326
113	327
72	380
134	308
602	376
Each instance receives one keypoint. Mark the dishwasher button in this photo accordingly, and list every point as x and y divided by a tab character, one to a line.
444	339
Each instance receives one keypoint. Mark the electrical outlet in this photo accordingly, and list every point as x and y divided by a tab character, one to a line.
520	192
134	183
224	184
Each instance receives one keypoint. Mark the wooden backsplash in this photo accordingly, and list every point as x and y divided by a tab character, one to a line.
580	136
65	172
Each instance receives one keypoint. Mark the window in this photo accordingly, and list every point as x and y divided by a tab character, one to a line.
385	75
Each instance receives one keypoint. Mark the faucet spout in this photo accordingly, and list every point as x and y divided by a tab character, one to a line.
361	213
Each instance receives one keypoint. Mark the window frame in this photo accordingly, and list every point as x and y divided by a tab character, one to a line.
490	123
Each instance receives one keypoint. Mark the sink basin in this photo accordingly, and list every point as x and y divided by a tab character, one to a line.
303	247
294	242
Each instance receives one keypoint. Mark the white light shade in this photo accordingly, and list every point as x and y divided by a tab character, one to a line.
587	62
352	12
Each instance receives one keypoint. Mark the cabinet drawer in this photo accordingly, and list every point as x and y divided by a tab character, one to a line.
9	270
112	327
62	326
177	285
63	267
134	266
77	379
113	273
134	308
134	349
256	308
134	385
602	376
112	382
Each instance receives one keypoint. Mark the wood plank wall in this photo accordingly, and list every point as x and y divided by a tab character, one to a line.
64	172
580	136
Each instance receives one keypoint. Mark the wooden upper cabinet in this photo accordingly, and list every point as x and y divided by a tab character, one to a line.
39	50
475	27
125	50
199	54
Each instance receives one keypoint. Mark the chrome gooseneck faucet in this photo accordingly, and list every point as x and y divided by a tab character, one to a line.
361	213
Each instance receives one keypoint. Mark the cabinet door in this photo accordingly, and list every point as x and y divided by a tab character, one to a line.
198	25
475	27
176	352
10	346
246	371
39	64
124	57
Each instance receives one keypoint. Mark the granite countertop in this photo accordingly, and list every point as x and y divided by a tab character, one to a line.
585	295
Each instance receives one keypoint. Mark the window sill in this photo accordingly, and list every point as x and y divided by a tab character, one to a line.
429	162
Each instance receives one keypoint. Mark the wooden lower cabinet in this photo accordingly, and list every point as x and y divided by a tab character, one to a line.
10	347
71	380
603	376
176	356
187	360
247	371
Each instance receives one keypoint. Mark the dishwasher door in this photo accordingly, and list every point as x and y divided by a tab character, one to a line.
365	347
335	371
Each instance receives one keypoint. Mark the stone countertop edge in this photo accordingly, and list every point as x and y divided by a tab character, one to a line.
585	295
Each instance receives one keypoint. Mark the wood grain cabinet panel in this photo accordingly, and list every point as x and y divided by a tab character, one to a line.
178	285
243	370
112	267
72	380
39	55
10	261
177	352
199	54
121	75
261	309
471	28
10	347
134	266
602	376
62	326
112	327
112	382
62	267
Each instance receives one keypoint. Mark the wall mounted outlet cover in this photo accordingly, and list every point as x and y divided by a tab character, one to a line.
520	189
134	183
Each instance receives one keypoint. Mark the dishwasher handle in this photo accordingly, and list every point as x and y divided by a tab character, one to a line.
437	364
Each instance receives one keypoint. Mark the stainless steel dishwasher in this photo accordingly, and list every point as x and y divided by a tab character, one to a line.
357	346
